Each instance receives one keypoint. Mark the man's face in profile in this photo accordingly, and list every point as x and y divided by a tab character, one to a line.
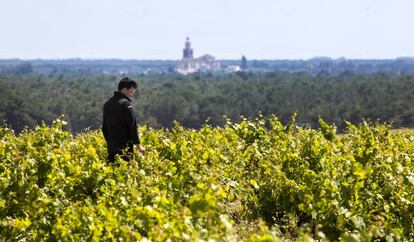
129	92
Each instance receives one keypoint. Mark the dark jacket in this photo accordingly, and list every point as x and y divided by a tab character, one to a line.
119	125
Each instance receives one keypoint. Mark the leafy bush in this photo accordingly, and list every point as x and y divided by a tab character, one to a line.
252	181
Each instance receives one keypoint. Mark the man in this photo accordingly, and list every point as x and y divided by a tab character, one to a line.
119	125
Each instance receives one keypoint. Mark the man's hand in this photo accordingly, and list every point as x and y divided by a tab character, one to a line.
141	149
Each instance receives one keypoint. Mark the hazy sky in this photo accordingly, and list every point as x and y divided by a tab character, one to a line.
226	29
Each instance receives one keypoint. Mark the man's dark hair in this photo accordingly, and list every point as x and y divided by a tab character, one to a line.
127	83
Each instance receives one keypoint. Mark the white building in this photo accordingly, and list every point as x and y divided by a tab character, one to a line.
188	64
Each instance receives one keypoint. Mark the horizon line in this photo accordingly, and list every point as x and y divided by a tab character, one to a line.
223	59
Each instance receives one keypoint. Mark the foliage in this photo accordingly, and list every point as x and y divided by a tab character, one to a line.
27	100
252	180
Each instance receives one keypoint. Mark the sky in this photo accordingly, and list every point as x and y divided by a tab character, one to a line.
226	29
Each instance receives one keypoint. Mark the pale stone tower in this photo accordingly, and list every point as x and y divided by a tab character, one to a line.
188	51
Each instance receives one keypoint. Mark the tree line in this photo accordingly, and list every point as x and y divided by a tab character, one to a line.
161	99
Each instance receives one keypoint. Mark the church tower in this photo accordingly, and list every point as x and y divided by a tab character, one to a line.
188	64
188	51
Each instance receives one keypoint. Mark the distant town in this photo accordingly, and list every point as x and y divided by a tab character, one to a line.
207	63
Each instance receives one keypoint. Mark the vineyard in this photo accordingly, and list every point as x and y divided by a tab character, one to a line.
254	180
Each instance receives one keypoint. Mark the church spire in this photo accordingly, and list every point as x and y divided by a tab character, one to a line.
188	51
